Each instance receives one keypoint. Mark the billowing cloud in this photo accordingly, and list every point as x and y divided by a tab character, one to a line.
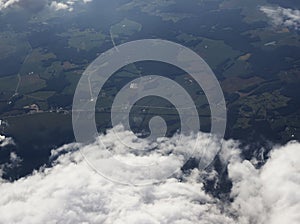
283	16
270	194
72	192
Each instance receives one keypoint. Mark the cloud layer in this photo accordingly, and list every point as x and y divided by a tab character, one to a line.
283	16
72	192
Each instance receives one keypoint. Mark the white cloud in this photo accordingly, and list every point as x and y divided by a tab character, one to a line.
7	3
283	16
14	161
59	6
71	192
55	5
66	5
270	194
4	141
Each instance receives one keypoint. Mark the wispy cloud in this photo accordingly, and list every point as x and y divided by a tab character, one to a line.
70	192
283	16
